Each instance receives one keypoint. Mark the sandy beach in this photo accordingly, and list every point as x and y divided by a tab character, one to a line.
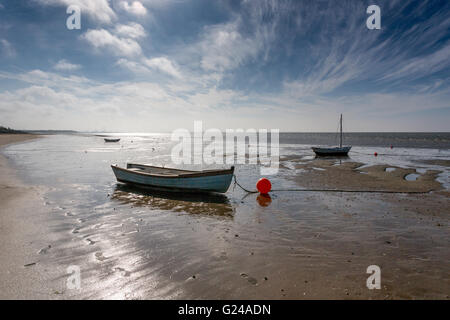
23	228
132	244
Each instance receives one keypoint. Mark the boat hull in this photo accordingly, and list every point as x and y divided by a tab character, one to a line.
212	181
112	140
336	152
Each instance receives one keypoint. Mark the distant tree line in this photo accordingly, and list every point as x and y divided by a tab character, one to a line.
9	130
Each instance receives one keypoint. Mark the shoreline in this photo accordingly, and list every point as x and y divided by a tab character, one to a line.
21	276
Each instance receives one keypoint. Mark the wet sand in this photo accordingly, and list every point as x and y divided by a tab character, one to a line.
296	245
355	176
23	228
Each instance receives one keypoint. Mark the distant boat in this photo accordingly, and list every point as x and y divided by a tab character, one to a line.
168	179
112	139
333	151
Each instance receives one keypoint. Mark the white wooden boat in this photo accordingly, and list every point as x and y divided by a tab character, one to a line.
333	151
177	180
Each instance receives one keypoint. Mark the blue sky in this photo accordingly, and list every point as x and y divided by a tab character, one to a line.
158	65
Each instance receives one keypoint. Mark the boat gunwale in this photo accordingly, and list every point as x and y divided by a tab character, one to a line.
129	165
194	174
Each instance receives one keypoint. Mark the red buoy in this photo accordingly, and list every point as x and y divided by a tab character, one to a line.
375	154
263	185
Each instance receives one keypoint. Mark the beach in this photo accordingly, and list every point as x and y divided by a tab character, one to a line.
21	214
62	207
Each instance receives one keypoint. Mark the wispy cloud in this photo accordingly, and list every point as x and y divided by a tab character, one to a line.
422	66
132	30
148	66
102	38
163	64
134	7
64	65
224	48
7	48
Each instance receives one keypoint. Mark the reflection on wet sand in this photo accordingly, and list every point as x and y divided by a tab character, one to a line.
337	158
264	200
192	203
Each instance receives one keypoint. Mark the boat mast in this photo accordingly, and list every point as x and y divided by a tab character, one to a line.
340	142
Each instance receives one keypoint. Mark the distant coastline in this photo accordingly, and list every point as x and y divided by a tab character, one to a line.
6	130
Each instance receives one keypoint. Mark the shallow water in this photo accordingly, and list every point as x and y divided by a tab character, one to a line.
134	244
412	177
433	140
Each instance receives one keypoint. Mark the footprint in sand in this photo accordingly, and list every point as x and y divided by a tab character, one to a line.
249	279
44	250
90	242
99	256
76	230
123	272
223	256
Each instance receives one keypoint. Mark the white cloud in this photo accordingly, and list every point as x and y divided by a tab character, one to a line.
224	48
97	9
102	38
136	8
38	95
163	64
6	48
63	102
132	30
146	66
64	65
133	66
41	78
247	37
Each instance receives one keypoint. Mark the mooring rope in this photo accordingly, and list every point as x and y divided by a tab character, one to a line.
237	183
330	190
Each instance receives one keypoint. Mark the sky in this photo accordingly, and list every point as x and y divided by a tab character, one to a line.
159	65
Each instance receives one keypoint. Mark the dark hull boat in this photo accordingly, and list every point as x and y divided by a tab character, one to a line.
333	151
168	179
336	151
112	140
